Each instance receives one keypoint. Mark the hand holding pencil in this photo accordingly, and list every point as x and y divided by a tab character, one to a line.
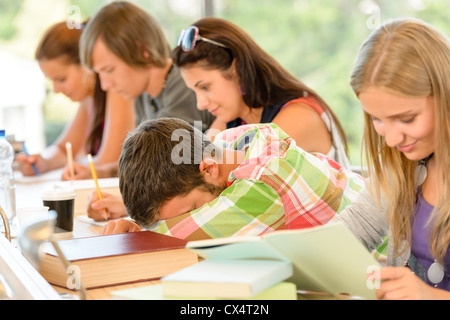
116	208
113	203
33	164
94	176
70	159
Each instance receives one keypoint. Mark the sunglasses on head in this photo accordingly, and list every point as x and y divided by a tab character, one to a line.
189	37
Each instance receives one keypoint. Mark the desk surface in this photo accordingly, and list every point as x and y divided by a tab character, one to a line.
28	194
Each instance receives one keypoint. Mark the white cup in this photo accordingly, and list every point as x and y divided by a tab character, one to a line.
27	215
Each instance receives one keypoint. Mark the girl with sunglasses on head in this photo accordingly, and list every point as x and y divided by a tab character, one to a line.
103	118
402	78
239	83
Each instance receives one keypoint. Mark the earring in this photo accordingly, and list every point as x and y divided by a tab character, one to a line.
242	90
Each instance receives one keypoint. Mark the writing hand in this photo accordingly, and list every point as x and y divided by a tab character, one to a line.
26	162
81	172
113	204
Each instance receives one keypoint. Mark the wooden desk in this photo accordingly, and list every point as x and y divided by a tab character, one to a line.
104	293
28	194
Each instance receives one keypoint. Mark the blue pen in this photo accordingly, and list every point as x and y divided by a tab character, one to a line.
33	165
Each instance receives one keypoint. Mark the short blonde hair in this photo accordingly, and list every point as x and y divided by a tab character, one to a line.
410	58
127	32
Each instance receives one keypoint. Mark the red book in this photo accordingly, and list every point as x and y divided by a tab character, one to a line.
116	259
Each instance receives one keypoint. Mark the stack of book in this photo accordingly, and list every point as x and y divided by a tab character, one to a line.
231	279
327	259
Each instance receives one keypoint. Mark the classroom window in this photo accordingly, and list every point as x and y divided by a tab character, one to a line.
316	40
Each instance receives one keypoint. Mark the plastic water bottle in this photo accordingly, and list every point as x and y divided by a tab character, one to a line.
7	184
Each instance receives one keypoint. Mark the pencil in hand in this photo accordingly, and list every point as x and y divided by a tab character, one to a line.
33	165
94	176
70	159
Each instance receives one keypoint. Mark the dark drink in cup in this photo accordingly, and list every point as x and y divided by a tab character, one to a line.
62	201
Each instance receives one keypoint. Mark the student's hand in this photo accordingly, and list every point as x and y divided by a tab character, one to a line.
25	163
81	172
113	204
399	283
120	226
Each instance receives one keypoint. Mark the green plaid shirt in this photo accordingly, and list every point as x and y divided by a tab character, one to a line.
278	186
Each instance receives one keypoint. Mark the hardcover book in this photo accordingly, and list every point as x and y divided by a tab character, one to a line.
117	259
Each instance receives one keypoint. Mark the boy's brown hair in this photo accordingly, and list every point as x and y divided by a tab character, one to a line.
160	160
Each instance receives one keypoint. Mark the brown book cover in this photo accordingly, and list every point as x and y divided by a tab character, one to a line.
116	259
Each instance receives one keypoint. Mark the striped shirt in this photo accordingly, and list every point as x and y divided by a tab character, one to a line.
278	186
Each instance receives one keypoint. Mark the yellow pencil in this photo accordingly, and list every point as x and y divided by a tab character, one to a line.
94	176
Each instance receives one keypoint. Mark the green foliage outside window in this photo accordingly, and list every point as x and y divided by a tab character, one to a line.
317	40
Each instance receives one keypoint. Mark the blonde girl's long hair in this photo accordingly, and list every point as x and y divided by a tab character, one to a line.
128	32
410	58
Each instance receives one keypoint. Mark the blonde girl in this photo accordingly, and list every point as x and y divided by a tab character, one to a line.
402	78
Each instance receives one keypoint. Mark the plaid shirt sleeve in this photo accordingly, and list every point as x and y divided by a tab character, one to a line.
278	186
260	211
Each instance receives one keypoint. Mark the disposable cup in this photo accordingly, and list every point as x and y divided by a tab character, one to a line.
62	201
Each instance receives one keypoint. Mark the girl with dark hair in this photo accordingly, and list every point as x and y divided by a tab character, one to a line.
240	83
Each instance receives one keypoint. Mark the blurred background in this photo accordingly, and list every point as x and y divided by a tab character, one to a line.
317	40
